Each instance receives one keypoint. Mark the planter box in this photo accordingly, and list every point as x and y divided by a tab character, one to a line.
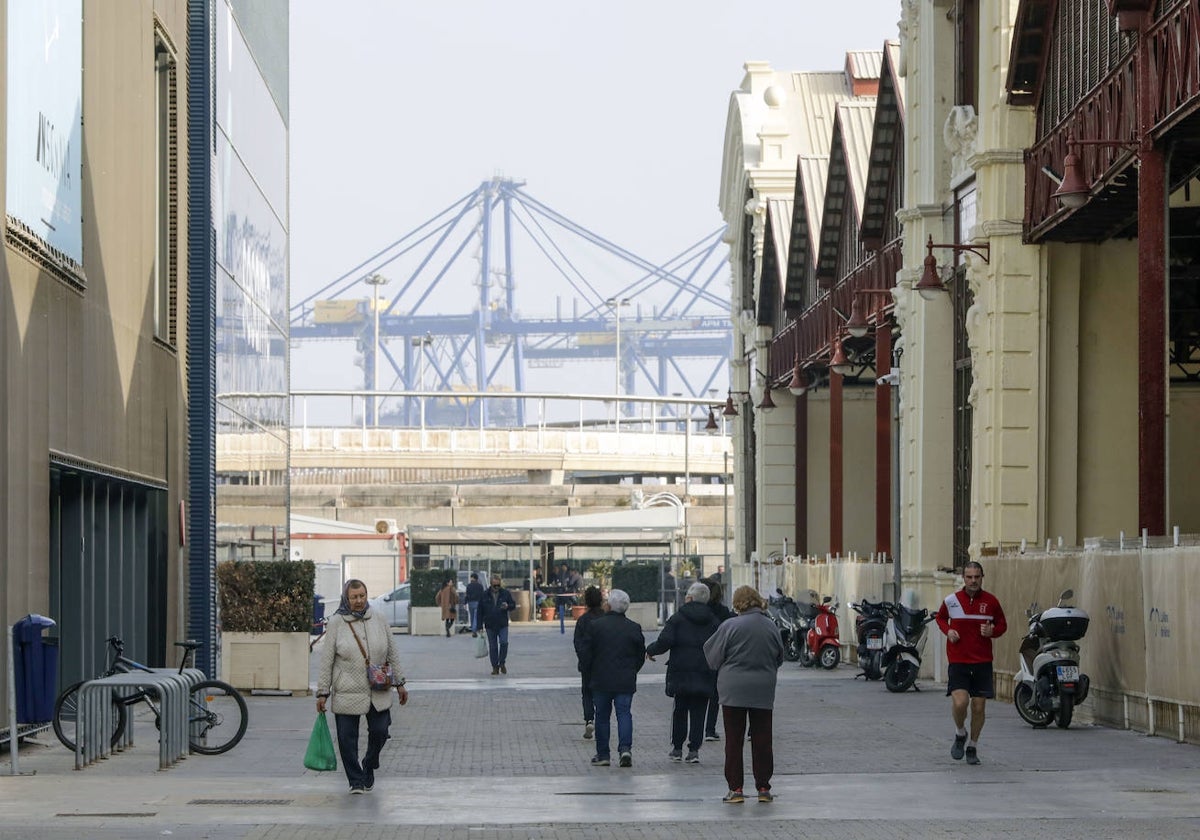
272	661
426	621
644	613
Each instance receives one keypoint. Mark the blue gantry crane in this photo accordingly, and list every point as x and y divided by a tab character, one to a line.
674	334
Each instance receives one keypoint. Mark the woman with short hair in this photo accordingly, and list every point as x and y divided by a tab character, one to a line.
746	652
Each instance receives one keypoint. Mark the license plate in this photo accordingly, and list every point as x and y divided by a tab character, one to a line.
874	643
1068	673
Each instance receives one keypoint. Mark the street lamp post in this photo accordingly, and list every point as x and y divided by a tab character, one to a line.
725	481
375	280
616	305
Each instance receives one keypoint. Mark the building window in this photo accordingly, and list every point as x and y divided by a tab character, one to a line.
966	53
166	211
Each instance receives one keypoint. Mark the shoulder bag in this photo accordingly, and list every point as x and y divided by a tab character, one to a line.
379	677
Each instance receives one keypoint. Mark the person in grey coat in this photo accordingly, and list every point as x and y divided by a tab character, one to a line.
746	652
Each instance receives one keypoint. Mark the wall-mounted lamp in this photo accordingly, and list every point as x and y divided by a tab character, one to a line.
1074	190
800	383
857	324
838	363
766	405
711	426
930	283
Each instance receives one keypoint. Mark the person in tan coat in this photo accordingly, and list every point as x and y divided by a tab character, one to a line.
447	599
353	638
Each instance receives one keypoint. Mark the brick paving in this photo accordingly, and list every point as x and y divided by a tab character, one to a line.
476	756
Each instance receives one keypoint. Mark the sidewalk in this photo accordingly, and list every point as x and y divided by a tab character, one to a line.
502	757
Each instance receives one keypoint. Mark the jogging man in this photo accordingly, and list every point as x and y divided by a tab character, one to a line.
970	618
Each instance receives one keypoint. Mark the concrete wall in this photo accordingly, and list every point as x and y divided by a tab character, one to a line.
82	374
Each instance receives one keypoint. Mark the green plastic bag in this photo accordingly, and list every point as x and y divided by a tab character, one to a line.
320	754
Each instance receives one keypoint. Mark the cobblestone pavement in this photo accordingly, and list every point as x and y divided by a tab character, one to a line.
502	758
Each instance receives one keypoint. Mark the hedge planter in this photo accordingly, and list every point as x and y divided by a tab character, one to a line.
269	661
644	613
426	621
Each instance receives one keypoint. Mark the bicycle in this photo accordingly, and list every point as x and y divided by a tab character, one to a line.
217	714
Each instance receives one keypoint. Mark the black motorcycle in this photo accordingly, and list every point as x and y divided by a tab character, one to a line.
869	625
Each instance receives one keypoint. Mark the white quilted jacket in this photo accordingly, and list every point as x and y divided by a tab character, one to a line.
343	672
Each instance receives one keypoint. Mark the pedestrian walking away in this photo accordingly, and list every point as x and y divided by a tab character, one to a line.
355	638
447	599
614	650
494	608
723	613
689	679
473	595
746	652
594	602
970	618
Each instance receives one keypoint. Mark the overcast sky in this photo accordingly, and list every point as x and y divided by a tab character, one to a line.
612	113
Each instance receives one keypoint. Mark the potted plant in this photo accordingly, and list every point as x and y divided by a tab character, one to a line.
546	611
266	611
602	571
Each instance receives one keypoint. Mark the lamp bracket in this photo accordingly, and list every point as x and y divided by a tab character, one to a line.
982	251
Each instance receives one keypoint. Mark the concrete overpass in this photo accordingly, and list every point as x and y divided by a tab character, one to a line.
651	437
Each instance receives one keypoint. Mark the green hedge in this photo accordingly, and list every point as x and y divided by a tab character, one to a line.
425	584
640	580
266	596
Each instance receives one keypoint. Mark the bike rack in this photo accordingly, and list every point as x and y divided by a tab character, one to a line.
95	722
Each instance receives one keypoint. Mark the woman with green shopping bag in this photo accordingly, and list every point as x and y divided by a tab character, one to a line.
359	667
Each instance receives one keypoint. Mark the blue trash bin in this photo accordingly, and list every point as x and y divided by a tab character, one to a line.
318	626
36	669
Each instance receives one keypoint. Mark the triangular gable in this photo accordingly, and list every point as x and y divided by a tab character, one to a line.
775	258
848	157
1032	34
886	161
811	172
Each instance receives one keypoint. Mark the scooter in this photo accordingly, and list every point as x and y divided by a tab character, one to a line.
1048	685
869	625
822	641
903	646
785	613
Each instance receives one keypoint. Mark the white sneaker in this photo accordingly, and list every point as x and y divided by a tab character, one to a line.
589	731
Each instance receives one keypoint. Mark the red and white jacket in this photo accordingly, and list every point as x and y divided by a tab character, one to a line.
967	615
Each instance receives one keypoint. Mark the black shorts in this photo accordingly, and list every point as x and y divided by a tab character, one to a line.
975	678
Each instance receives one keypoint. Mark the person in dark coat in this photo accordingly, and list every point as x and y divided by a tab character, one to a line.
722	613
474	595
689	679
613	652
594	601
746	653
497	603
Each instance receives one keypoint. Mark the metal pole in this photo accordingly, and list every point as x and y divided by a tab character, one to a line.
375	361
725	481
13	740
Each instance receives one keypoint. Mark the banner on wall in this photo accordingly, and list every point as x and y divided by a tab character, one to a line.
44	139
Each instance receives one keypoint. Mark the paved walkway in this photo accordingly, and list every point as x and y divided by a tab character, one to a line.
476	756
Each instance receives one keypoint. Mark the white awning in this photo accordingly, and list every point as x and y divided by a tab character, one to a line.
650	525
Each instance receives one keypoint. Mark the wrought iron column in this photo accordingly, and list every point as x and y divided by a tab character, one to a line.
1152	301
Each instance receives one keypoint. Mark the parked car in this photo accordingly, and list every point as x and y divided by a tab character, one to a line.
394	605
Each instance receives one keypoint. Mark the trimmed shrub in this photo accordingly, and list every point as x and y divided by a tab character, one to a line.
640	580
266	596
425	585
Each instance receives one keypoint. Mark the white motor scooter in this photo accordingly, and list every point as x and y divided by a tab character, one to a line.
903	646
1048	685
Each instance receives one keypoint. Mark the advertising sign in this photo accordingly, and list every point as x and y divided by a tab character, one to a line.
44	142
